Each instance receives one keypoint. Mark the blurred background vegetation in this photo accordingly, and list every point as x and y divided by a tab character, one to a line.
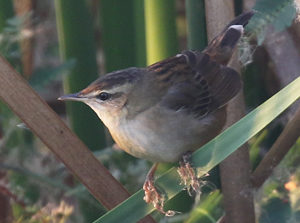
60	46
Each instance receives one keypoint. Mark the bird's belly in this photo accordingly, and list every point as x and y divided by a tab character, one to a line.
165	138
148	145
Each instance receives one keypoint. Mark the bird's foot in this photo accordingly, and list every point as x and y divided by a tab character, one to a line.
188	174
152	195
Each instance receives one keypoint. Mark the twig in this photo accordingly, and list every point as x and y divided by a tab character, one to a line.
277	152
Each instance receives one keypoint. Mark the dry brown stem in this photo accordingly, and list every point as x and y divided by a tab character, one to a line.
277	152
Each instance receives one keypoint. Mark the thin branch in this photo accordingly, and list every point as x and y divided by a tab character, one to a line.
277	152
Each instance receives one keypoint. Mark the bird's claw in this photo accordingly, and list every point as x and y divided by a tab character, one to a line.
188	174
152	195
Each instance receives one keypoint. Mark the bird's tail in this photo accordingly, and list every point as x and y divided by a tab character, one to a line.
221	47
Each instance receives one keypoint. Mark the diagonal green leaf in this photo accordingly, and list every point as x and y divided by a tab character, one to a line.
208	210
211	154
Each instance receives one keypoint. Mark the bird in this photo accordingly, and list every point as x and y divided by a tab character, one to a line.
164	112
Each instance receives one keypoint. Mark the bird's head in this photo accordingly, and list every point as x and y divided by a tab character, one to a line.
108	95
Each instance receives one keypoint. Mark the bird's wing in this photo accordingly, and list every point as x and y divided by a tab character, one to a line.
193	82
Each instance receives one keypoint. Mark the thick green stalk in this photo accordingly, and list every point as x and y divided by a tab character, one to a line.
140	38
75	32
6	12
118	33
196	24
161	35
238	6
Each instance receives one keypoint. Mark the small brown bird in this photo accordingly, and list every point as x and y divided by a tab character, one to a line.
168	109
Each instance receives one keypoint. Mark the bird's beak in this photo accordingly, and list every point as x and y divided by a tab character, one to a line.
72	97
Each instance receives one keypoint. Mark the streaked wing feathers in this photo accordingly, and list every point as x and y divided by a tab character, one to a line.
197	84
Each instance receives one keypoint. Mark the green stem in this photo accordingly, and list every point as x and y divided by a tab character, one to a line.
6	12
161	34
140	38
238	7
196	24
75	32
118	33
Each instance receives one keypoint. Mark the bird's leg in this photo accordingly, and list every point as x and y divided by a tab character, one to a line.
188	174
152	195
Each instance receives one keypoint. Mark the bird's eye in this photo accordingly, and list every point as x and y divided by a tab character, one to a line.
103	96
